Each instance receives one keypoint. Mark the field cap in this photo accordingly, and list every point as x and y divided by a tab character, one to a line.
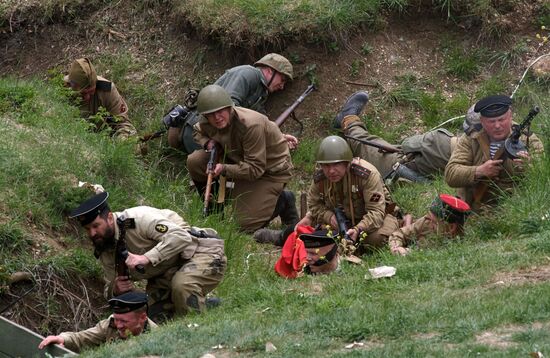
91	208
128	302
82	74
493	106
450	208
318	238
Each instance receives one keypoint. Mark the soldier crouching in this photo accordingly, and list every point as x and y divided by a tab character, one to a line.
181	264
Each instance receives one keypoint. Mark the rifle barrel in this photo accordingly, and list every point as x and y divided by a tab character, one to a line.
283	116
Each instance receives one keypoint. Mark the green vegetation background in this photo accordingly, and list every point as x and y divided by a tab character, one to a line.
443	296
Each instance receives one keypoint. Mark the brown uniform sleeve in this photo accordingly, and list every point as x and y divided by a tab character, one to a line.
460	171
92	337
318	211
174	241
374	201
199	136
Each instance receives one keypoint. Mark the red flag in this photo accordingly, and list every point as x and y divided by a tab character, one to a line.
294	255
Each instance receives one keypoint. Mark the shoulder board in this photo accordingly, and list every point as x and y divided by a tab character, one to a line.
129	223
359	170
318	176
103	85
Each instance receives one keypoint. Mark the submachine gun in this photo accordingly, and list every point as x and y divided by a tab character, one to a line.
342	224
513	145
121	252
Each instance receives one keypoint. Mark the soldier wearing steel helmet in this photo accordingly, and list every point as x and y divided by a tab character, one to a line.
256	158
418	158
248	86
354	185
95	92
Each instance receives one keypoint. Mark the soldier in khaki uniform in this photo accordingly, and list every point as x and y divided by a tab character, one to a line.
418	158
181	264
479	167
446	218
129	318
256	158
354	185
96	92
248	86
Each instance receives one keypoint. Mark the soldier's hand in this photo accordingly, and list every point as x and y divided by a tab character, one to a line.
523	157
291	140
218	170
353	233
489	169
122	285
51	340
210	144
333	221
133	260
403	251
305	221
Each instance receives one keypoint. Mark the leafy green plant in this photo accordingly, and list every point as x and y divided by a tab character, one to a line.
366	49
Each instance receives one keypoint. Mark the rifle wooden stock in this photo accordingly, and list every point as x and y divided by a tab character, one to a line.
380	146
283	116
208	191
303	204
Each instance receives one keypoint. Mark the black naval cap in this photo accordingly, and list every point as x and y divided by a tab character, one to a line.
318	238
128	302
91	208
493	106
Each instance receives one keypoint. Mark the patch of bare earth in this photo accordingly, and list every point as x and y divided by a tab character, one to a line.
534	274
501	338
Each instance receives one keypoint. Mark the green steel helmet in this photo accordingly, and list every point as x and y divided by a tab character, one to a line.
334	149
213	98
277	62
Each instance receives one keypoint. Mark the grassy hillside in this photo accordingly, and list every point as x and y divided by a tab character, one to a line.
445	299
484	294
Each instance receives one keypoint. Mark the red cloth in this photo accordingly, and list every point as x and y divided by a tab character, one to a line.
294	255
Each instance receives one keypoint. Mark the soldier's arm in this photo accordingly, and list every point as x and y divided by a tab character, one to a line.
318	211
172	240
199	136
92	337
460	171
374	201
254	160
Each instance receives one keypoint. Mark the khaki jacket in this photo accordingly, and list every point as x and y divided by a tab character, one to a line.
107	96
253	145
407	234
470	153
103	332
361	189
162	236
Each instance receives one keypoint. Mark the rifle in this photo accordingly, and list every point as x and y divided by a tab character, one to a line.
381	147
342	226
513	145
210	169
289	112
175	117
121	252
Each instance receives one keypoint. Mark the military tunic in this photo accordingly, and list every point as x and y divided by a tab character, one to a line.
361	194
258	162
106	95
182	267
416	231
103	332
473	151
247	87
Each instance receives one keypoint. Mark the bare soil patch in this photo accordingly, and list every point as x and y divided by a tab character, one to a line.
501	338
536	274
